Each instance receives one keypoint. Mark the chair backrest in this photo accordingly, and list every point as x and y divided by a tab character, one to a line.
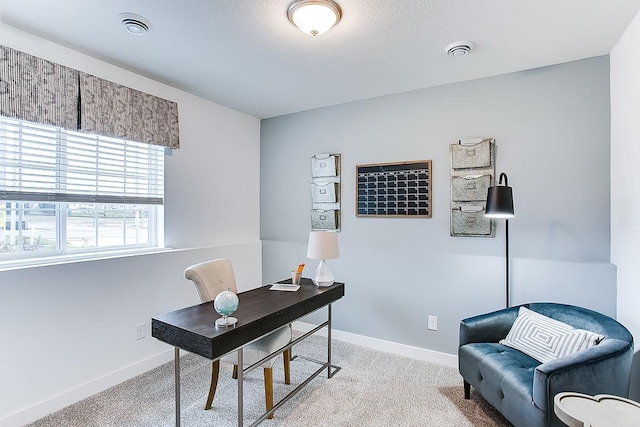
212	277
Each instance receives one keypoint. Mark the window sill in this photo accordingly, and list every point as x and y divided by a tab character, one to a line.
74	258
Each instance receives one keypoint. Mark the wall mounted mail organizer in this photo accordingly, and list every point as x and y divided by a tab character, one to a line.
472	173
394	189
325	192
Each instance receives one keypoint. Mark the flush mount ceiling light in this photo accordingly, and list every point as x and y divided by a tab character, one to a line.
314	17
135	24
458	49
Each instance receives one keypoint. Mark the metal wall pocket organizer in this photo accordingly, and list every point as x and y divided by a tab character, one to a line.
325	192
472	172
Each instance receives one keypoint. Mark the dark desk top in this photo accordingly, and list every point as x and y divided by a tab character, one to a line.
260	311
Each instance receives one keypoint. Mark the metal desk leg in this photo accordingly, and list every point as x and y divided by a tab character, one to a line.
329	365
329	341
240	386
177	381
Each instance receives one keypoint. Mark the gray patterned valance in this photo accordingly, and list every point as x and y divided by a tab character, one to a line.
110	109
37	90
44	92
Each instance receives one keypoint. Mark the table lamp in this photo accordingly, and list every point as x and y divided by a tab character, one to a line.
323	245
500	206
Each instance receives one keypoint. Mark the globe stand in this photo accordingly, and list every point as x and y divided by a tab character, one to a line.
226	321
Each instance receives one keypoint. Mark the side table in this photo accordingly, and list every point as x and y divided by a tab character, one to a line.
602	410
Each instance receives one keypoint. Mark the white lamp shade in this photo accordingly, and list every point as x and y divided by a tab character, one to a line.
323	245
314	17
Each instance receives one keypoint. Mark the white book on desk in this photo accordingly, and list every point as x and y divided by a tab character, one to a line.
284	287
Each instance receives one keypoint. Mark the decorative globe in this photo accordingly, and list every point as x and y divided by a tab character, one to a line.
226	302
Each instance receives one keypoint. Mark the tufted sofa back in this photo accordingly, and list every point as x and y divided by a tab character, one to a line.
583	318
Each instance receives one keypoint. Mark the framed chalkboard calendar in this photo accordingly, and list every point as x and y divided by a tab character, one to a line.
401	189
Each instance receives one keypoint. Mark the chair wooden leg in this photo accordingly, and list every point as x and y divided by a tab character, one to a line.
467	390
215	370
235	372
286	355
268	389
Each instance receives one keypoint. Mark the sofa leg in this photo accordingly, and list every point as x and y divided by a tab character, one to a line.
467	390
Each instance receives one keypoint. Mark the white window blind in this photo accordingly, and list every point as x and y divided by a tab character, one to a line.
45	163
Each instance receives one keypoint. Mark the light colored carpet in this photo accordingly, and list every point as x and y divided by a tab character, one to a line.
372	389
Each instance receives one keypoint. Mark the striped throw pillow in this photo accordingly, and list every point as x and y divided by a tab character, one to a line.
547	339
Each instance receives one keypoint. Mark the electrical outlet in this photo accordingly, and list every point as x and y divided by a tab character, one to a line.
432	323
141	331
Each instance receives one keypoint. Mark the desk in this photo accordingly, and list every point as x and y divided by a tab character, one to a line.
602	410
260	312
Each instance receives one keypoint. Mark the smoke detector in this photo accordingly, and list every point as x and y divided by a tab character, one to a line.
135	24
458	49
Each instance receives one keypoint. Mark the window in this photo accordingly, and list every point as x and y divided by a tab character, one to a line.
66	192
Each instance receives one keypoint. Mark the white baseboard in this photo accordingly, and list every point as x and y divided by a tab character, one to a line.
386	346
41	409
67	398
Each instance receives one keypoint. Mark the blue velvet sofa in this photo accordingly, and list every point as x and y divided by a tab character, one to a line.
522	388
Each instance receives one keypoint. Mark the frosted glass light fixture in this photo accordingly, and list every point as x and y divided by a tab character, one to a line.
323	245
314	17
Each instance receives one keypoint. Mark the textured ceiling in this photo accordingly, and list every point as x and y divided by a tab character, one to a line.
246	55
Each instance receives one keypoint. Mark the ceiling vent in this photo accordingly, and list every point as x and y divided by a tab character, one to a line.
459	49
135	24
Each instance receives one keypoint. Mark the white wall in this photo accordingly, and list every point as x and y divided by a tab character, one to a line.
552	133
625	193
68	331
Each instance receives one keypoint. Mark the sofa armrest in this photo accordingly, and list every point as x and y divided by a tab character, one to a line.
602	369
490	327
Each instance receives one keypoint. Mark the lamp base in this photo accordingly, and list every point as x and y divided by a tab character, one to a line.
323	275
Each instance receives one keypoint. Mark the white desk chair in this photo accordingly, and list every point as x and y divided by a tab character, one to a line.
213	277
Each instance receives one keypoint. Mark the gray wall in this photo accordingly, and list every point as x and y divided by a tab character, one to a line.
552	133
